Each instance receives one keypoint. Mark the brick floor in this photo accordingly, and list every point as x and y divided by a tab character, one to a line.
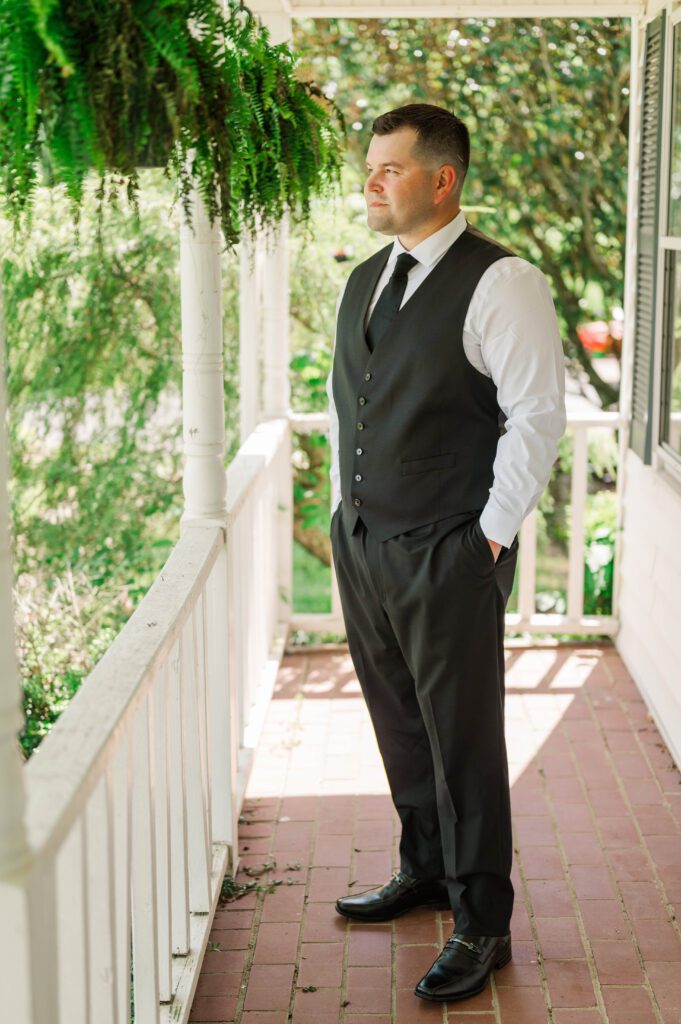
597	828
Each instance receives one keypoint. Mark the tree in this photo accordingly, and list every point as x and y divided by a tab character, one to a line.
546	102
94	381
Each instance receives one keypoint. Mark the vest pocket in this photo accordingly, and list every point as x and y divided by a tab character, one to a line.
442	461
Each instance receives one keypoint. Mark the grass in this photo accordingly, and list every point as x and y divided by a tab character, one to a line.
312	580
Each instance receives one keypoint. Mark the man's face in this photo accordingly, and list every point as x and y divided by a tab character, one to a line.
399	189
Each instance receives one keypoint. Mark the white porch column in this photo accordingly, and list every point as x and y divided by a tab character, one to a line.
203	420
13	847
27	975
275	277
249	335
275	312
275	328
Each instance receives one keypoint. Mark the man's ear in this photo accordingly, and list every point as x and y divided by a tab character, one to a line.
447	181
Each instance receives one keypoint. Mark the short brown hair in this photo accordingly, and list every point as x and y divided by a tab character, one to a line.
442	136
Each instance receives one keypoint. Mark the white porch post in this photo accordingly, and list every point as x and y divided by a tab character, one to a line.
275	325
275	270
275	300
205	483
13	846
203	420
249	336
27	976
275	283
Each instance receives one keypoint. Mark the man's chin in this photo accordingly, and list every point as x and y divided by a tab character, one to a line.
384	225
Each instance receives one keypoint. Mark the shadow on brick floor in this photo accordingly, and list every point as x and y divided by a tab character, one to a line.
597	871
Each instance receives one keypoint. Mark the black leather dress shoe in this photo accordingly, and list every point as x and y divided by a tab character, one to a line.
463	966
400	894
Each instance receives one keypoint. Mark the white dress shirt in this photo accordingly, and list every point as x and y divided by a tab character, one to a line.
511	335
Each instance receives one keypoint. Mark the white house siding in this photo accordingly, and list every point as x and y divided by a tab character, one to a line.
649	583
650	594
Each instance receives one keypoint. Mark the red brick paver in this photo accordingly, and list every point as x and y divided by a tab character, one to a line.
597	871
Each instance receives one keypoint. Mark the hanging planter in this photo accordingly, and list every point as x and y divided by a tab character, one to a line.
186	84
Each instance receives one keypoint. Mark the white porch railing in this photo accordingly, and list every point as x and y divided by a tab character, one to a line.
526	619
133	797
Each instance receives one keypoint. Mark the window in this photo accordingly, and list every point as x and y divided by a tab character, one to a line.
670	361
640	438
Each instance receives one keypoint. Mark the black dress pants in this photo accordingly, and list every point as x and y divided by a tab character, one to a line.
424	616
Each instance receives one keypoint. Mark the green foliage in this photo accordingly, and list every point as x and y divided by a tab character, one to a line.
183	83
93	345
63	625
547	177
311	582
93	335
599	553
546	102
94	363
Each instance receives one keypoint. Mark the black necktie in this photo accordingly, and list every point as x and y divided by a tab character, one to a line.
390	300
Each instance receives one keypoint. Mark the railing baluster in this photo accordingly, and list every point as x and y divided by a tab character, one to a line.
222	711
73	946
201	703
259	551
249	568
199	859
578	490
143	873
254	562
101	909
240	607
237	634
270	519
528	567
159	698
179	853
121	774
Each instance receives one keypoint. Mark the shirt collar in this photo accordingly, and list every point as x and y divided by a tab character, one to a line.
432	247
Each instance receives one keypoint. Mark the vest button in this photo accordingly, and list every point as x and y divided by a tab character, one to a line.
357	502
358	477
359	451
362	400
360	426
367	376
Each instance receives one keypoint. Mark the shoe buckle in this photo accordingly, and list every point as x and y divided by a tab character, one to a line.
400	877
465	942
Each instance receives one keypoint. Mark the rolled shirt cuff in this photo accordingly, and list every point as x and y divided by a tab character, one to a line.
499	526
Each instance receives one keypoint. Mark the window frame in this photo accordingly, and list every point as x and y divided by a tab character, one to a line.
664	459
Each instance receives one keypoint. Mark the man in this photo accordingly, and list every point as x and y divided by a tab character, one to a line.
447	401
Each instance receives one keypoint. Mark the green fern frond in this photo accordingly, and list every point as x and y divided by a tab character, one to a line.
108	86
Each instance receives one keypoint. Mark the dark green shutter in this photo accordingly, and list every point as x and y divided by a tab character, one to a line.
646	256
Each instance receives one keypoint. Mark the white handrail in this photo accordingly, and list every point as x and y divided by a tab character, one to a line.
70	759
526	619
132	799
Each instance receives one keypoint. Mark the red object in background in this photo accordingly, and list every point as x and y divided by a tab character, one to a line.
595	337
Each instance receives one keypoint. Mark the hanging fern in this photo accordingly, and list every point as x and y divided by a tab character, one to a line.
186	84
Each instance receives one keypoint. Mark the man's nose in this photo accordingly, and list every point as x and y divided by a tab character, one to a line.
373	184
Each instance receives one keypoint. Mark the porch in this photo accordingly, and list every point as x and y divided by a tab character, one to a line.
116	838
597	830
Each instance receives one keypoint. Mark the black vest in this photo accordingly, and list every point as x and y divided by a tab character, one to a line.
418	424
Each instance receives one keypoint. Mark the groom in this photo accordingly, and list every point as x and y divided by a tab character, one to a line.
447	401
